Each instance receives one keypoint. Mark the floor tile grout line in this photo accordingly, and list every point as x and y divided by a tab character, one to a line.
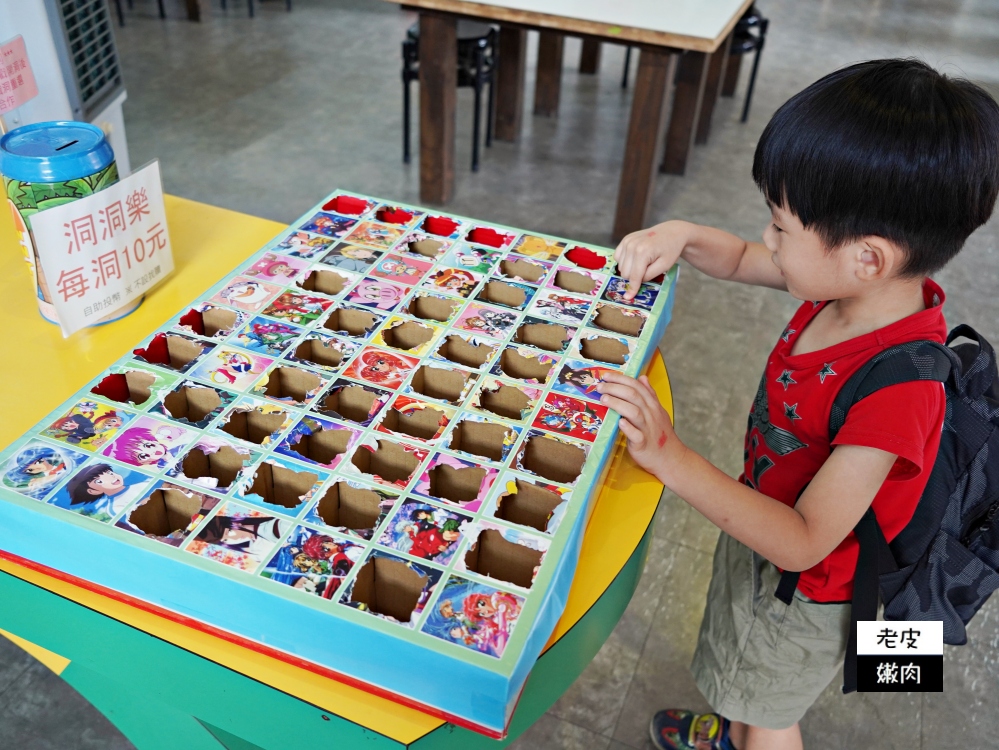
15	680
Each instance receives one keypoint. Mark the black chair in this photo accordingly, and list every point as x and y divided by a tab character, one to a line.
478	55
749	36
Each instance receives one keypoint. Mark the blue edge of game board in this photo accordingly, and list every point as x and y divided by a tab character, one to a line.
487	697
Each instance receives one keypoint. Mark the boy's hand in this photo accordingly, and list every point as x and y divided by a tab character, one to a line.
645	254
651	439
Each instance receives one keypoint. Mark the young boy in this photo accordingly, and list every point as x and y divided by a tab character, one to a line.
875	176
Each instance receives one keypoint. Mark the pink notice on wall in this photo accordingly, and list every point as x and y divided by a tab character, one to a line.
17	82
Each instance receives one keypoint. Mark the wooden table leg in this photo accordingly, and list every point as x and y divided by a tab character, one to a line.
549	77
690	80
438	84
732	67
193	10
645	136
510	83
589	59
716	66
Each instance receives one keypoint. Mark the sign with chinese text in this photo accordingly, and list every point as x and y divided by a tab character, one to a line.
17	82
103	251
899	656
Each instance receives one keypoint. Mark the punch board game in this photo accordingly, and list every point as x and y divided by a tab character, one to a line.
374	448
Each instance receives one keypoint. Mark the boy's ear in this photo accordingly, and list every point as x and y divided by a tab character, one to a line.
877	258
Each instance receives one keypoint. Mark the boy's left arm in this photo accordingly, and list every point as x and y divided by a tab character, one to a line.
791	538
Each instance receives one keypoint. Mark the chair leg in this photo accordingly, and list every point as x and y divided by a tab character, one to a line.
249	6
627	66
162	9
121	15
405	121
491	106
223	5
130	4
752	80
477	115
288	5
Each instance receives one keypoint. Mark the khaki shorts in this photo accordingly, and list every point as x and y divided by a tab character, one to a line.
758	660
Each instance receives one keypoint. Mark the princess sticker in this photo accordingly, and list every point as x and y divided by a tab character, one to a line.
100	491
231	368
403	270
474	615
329	225
246	294
580	379
381	368
37	467
381	236
474	259
570	416
88	425
538	247
303	245
487	321
425	531
279	269
561	307
267	336
298	308
378	294
453	280
350	257
313	562
148	443
645	298
238	536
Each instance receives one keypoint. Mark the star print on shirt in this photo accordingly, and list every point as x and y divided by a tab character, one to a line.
787	334
785	379
791	411
826	370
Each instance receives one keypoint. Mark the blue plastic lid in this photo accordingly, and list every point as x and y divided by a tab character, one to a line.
54	152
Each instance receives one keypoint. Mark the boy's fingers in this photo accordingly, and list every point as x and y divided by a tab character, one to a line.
648	392
624	391
615	377
626	409
635	436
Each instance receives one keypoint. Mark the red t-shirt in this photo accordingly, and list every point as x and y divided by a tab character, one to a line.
788	436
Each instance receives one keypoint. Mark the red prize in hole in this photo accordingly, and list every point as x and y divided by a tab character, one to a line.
393	215
486	236
346	204
440	225
586	258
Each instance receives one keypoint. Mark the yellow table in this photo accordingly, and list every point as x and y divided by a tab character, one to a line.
167	684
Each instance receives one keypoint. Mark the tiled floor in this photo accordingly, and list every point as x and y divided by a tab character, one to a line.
268	115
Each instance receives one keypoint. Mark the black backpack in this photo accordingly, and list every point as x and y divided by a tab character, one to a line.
944	564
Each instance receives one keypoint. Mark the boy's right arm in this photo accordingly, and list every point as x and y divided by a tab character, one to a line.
645	254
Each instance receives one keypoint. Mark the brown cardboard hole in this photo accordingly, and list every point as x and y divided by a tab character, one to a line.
325	282
290	382
210	321
431	308
192	403
456	485
524	368
353	403
170	351
494	556
552	459
254	425
164	512
280	486
428	248
506	401
390	461
603	349
447	385
456	349
530	506
542	335
408	335
349	507
130	387
351	322
574	282
503	294
223	464
319	352
481	438
421	423
388	587
612	319
522	269
323	445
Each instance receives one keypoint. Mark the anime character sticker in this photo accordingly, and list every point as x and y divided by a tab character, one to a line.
298	308
329	225
246	294
645	298
376	293
168	514
453	280
487	321
413	573
100	490
580	379
406	270
570	416
351	257
538	247
36	468
231	368
88	424
313	562
425	531
345	406
267	336
478	260
454	480
415	418
148	443
238	536
302	442
381	368
278	269
381	236
561	307
319	514
474	615
303	245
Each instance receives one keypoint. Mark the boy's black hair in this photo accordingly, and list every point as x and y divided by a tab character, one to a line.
889	148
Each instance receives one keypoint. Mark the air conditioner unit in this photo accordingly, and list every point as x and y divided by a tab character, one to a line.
72	51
